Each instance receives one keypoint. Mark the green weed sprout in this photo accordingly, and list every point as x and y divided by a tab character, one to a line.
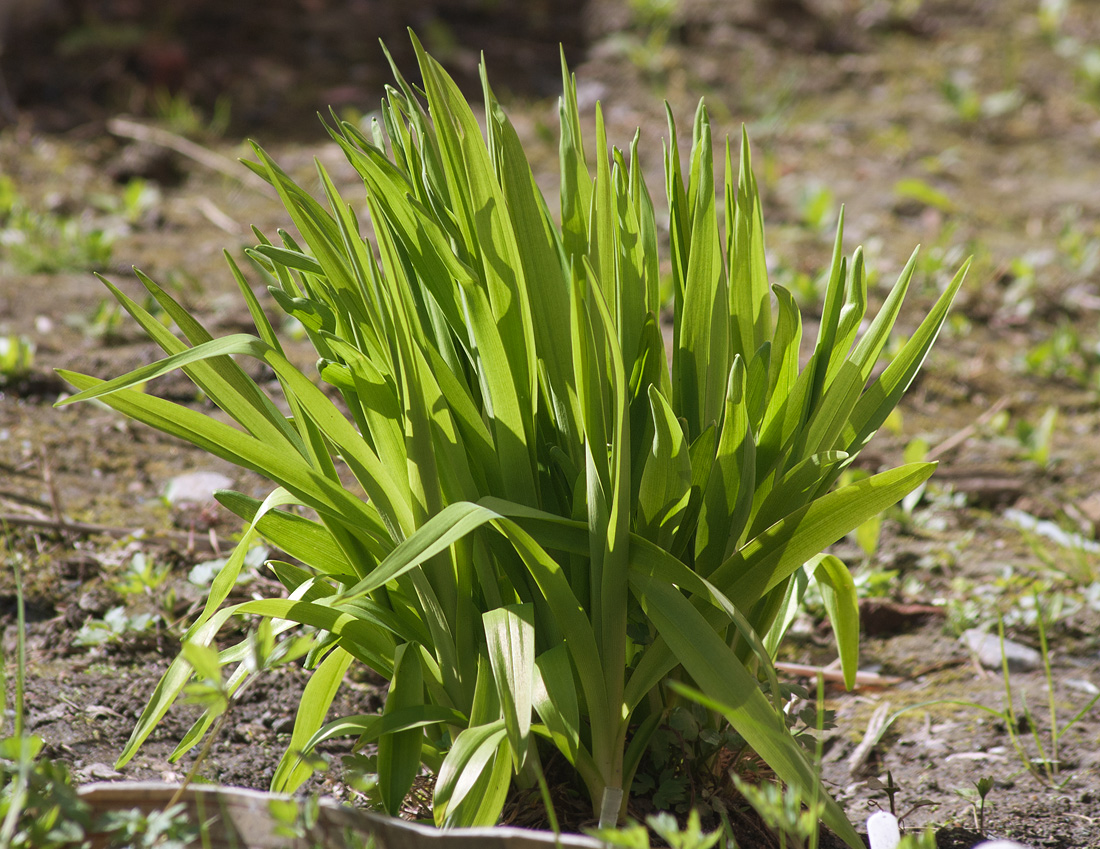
16	357
1045	767
558	517
39	807
784	812
977	797
636	836
46	243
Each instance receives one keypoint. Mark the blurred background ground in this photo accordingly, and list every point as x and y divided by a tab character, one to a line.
971	128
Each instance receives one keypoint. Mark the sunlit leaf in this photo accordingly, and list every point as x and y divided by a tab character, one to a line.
838	593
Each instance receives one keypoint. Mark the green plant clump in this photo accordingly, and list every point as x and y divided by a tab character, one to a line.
45	242
560	521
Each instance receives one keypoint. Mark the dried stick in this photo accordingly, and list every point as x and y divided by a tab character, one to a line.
55	497
204	156
863	679
67	526
875	728
960	436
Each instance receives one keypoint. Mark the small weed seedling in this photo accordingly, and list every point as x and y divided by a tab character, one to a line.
971	106
794	820
1046	765
45	242
1051	15
105	322
892	791
817	206
634	835
924	193
180	115
144	578
116	624
16	358
39	806
1037	439
977	796
139	197
647	45
1065	355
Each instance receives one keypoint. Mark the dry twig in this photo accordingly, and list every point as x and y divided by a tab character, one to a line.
190	541
960	436
204	156
863	679
875	727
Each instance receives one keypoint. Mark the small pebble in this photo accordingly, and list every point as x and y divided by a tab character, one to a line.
195	488
98	772
1001	844
51	715
987	647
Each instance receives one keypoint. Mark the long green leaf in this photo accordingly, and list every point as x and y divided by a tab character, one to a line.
227	442
764	562
169	687
472	770
725	680
774	554
376	479
299	537
666	480
317	696
542	256
369	727
220	378
749	297
399	751
492	242
729	492
555	699
884	394
703	343
838	593
510	635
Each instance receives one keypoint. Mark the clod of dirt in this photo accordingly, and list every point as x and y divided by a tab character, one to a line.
882	617
958	838
147	162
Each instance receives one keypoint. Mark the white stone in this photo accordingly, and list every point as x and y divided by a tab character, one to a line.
195	488
1001	844
987	647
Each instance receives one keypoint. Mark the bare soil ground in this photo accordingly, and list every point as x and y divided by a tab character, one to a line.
972	128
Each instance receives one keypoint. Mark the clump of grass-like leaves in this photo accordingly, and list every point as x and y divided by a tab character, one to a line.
564	532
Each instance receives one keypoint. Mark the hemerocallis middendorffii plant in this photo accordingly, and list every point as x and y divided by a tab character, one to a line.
558	528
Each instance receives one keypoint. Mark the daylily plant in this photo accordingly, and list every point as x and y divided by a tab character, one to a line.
558	528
